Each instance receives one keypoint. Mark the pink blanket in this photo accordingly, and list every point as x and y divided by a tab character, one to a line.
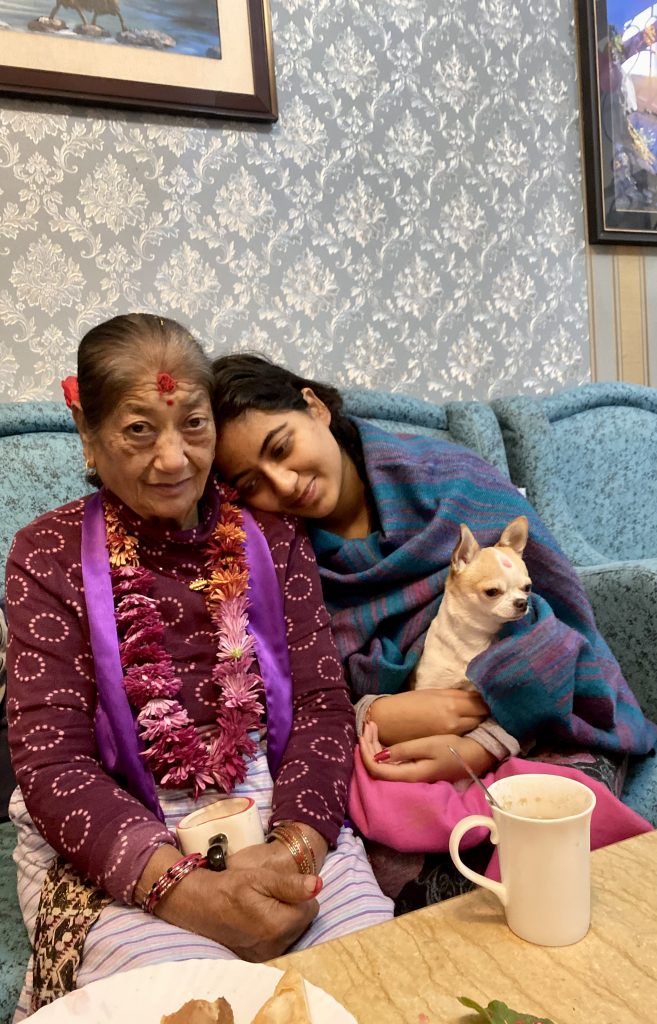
419	816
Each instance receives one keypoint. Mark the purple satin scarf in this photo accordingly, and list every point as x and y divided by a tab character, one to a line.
116	731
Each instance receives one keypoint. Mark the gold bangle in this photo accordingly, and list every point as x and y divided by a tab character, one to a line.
306	842
295	829
295	846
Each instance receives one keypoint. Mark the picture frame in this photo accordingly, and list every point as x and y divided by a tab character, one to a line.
153	63
617	43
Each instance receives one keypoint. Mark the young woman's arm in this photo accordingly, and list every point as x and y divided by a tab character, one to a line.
416	713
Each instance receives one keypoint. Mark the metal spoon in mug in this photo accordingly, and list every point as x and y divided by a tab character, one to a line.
475	778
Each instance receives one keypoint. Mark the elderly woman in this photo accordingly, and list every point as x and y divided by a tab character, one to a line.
383	515
152	636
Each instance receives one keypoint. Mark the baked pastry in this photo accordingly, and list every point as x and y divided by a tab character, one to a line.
288	1004
200	1011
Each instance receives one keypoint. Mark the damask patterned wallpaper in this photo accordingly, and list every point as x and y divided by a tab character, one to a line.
412	222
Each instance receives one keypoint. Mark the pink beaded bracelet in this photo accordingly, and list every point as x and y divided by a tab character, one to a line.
170	878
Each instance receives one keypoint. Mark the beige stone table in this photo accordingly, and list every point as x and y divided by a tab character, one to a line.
409	970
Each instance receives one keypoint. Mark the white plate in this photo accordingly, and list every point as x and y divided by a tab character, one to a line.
146	994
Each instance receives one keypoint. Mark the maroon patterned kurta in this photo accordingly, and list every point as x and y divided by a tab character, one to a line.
82	812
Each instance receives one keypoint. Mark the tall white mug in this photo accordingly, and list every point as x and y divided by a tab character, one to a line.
543	834
236	817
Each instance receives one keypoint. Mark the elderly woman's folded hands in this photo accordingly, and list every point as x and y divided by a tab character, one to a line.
256	912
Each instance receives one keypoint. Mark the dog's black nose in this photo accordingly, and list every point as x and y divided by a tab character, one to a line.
520	603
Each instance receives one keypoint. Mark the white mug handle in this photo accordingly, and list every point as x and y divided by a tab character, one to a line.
459	830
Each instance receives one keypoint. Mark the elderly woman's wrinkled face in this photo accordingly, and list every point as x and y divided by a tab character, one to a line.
156	449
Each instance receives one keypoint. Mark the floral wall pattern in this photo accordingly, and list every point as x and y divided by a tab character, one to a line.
412	222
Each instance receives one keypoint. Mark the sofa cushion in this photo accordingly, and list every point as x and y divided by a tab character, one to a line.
606	465
42	466
586	458
472	424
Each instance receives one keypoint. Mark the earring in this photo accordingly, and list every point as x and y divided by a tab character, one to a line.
89	465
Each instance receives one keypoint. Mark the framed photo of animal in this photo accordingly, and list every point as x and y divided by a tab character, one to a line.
618	77
210	58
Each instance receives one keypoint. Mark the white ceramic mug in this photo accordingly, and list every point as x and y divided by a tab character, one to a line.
236	817
543	834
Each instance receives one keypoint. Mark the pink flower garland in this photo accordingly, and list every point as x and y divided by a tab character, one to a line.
174	749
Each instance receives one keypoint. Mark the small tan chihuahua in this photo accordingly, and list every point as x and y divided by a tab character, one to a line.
485	588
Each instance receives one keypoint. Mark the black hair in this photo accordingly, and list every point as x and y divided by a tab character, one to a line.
245	381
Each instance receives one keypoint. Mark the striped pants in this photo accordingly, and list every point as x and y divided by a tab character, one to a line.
124	938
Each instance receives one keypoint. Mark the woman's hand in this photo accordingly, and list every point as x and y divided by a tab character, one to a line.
275	855
272	856
422	760
416	713
256	912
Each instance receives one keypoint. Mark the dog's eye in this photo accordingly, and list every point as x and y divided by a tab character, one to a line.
527	588
492	592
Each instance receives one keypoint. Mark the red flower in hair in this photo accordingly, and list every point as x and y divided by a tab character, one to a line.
166	383
71	391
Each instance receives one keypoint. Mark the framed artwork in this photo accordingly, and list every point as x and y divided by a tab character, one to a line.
618	73
205	57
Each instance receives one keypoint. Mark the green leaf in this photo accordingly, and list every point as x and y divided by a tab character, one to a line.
498	1013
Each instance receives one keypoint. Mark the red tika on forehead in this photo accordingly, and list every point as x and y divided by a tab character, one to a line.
166	384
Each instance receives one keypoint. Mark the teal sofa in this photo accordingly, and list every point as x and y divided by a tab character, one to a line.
42	467
587	459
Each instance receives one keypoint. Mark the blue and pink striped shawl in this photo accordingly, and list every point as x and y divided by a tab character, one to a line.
550	676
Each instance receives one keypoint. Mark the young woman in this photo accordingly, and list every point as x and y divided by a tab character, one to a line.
383	514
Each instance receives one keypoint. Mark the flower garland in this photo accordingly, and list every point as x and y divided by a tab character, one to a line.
174	749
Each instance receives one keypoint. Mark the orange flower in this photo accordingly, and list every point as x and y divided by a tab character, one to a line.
231	581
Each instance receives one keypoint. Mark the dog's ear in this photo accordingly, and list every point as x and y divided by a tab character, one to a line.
465	549
515	535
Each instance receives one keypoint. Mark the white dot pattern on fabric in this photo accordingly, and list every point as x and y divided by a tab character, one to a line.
50	541
43	737
27	782
75	829
15	590
84	666
70	514
279	553
292	772
13	710
72	572
308	723
50	627
313	803
120	794
67	697
310	641
298	587
118	855
306	552
329	749
39	564
329	669
29	666
71	780
172	610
